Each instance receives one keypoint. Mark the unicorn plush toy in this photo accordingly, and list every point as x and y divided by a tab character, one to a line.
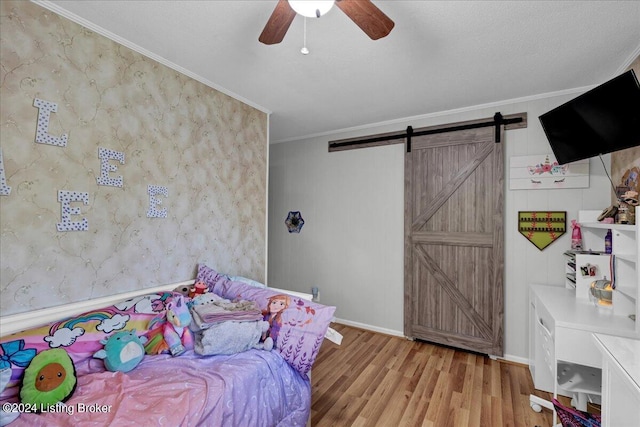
173	323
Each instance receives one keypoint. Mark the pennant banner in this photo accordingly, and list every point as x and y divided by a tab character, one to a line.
542	228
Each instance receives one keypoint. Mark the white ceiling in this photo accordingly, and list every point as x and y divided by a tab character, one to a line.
441	55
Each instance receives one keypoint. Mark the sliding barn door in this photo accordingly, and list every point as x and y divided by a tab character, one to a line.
454	240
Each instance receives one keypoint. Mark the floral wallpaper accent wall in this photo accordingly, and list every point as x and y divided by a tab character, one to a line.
139	137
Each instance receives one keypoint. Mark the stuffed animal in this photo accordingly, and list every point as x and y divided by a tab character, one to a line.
122	351
198	288
232	337
208	298
184	290
49	379
173	323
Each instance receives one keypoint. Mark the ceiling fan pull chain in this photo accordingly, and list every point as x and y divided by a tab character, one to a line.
304	49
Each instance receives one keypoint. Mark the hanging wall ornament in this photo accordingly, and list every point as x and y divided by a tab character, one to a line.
542	228
294	222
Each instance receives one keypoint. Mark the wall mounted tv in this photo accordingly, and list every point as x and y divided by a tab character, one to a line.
602	120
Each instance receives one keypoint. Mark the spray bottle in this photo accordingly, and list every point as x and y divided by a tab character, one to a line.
576	236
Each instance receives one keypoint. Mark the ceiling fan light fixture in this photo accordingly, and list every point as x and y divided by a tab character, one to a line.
311	8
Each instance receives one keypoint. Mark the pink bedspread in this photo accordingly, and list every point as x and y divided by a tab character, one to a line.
252	388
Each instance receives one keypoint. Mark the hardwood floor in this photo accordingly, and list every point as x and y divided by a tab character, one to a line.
374	379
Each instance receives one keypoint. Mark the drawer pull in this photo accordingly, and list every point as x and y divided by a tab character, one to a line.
547	331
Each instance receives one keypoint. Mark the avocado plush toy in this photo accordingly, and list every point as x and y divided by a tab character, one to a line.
50	378
122	351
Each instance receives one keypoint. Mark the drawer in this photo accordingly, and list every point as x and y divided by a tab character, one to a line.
576	346
544	330
544	341
544	317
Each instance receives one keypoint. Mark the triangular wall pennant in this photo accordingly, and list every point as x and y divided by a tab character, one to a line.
542	228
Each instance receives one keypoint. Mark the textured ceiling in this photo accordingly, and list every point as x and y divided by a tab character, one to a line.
441	55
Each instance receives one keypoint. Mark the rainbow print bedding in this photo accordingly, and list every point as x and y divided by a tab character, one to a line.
249	388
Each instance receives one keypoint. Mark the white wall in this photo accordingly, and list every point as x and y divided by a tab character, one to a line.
351	246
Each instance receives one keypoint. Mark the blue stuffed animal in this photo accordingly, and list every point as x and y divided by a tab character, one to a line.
122	351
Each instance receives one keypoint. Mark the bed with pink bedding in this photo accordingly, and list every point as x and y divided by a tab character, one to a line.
255	387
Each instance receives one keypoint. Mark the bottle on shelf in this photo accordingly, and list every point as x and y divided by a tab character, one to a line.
576	236
607	242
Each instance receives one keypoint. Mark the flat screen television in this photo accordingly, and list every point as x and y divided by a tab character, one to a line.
602	120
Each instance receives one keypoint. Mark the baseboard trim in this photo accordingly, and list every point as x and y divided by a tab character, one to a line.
370	328
514	359
507	357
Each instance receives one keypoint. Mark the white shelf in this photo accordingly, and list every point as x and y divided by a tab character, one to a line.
626	250
627	257
619	227
629	291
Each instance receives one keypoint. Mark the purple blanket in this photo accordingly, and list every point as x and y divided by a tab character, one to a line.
252	388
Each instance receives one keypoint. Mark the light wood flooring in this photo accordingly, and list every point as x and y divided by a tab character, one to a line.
374	379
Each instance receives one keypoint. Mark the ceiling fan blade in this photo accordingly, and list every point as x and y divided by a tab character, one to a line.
278	23
367	16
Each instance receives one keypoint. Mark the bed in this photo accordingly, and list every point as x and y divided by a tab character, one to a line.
256	387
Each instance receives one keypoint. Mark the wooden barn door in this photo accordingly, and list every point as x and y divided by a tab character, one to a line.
454	240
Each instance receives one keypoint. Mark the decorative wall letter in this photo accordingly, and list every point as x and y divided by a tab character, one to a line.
65	198
45	108
105	154
153	190
5	190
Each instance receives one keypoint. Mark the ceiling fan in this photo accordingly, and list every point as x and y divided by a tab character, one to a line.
362	12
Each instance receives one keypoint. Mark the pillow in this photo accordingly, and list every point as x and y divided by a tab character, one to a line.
122	351
297	326
7	413
247	281
79	335
49	379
